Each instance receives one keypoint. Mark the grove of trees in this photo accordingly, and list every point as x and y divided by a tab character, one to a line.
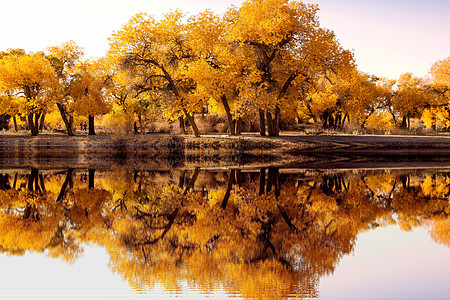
264	65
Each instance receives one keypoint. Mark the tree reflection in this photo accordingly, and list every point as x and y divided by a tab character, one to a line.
265	233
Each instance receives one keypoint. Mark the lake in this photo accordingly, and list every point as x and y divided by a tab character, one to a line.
126	232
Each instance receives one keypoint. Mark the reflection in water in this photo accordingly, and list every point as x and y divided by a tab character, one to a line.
268	233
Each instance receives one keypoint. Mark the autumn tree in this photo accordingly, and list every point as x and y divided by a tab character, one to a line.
33	81
157	53
88	91
128	101
64	59
438	92
285	50
219	67
10	105
410	100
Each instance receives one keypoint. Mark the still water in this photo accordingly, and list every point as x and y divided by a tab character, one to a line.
269	233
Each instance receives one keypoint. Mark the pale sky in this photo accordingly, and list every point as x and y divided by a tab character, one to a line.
389	37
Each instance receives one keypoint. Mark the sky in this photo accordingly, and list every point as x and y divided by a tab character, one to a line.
388	37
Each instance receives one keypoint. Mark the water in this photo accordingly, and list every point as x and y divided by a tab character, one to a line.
270	233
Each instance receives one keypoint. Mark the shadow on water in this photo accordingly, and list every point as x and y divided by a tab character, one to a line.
261	232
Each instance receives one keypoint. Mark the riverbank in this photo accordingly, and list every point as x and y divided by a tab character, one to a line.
290	148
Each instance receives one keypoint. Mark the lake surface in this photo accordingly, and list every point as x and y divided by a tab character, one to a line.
268	233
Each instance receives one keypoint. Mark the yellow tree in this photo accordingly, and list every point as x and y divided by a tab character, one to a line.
409	100
218	65
366	96
9	105
157	53
439	94
64	58
128	100
88	91
31	78
285	50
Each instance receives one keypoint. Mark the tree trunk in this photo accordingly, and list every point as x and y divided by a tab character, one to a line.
192	122
276	124
262	181
262	123
237	128
67	122
36	122
91	183
91	125
403	125
231	127
63	190
345	118
70	124
31	126
141	123
16	128
270	128
33	181
41	122
229	187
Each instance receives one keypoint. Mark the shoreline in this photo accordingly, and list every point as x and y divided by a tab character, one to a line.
287	142
220	151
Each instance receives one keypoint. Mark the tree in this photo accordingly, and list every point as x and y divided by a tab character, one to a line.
438	92
410	100
285	50
88	91
157	53
217	68
31	78
64	59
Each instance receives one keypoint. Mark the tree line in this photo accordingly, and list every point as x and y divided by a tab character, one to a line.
267	63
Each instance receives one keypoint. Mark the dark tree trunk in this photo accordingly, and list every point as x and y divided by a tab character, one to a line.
41	122
136	131
63	190
67	122
141	124
344	119
191	183
229	187
91	183
270	128
273	179
32	128
192	122
33	180
15	181
262	123
276	125
262	181
36	122
42	183
403	124
16	128
231	127
91	125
